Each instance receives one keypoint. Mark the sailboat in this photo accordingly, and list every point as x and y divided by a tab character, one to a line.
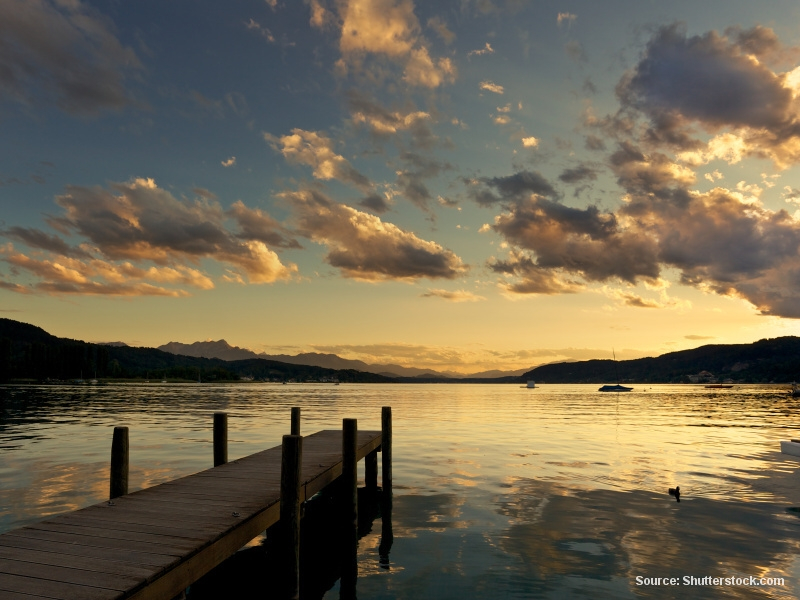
617	387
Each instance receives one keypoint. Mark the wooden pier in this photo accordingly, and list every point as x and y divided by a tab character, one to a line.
154	543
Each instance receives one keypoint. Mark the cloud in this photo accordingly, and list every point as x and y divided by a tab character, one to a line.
35	238
316	151
96	277
388	30
256	225
253	25
492	87
699	337
566	17
135	223
411	181
363	247
384	123
530	142
453	296
578	174
375	203
64	53
487	49
229	162
510	189
723	84
440	27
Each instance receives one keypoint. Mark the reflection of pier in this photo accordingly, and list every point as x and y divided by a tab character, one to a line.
156	542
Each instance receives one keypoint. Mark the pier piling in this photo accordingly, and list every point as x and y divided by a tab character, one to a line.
386	451
291	462
220	438
119	463
295	420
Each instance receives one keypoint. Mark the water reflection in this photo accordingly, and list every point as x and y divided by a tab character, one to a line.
600	535
504	494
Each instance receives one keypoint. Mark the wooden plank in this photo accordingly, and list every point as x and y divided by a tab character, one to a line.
119	582
100	565
94	542
100	532
55	590
145	559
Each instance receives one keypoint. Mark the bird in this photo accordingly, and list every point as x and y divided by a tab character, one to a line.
676	491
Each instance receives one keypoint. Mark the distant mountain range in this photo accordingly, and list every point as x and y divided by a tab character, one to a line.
224	351
30	353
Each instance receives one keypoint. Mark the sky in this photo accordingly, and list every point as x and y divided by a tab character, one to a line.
458	185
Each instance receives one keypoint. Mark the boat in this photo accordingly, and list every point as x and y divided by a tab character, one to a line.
718	386
790	447
531	384
615	388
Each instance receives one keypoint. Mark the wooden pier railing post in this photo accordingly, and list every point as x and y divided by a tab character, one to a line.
347	587
119	463
386	451
291	462
371	471
295	420
220	438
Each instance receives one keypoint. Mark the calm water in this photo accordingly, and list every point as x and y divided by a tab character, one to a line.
499	491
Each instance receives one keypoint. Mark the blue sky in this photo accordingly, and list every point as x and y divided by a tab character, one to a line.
461	185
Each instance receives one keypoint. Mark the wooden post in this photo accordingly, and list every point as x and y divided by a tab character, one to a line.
371	471
347	585
386	451
295	420
220	438
291	462
119	463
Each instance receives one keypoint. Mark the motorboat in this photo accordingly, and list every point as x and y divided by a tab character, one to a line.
615	388
531	384
790	447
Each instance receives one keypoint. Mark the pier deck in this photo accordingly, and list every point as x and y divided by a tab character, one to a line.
153	543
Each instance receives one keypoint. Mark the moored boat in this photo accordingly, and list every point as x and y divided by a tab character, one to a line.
615	388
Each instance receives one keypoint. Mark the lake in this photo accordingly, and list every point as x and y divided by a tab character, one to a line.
499	491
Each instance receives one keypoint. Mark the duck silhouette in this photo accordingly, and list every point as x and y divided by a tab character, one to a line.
676	491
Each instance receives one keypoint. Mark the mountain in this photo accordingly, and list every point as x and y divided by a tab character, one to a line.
219	349
764	361
28	352
223	350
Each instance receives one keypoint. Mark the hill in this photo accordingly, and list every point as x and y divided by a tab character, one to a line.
29	352
768	360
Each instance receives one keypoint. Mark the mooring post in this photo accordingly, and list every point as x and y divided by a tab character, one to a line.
386	451
350	471
371	471
347	586
220	438
291	462
119	463
295	420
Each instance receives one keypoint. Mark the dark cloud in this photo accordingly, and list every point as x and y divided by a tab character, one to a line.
63	53
375	203
575	51
512	188
578	174
255	224
35	238
364	247
384	123
411	180
594	143
140	221
705	78
715	82
585	242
